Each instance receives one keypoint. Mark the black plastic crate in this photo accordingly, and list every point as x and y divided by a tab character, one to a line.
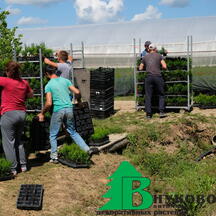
102	72
83	120
39	133
102	107
100	100
102	113
73	164
30	197
102	93
101	84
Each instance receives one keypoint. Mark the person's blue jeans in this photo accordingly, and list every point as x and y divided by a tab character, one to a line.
64	116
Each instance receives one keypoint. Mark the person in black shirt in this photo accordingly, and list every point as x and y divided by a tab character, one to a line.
152	62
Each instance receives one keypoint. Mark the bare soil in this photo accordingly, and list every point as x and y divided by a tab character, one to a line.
68	192
129	106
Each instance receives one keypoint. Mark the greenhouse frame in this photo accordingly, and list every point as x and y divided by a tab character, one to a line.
111	44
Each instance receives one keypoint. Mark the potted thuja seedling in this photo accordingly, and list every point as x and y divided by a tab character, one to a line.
100	137
5	170
72	156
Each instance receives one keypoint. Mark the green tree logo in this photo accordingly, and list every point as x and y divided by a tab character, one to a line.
121	191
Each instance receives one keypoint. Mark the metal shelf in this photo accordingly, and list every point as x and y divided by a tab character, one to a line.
37	94
167	107
142	71
36	110
142	95
28	61
179	81
26	78
82	60
189	95
175	95
38	77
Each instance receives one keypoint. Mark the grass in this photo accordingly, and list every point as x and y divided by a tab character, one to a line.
150	150
125	98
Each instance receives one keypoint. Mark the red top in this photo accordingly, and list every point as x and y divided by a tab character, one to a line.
14	94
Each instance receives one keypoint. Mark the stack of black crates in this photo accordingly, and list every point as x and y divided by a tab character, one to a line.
102	92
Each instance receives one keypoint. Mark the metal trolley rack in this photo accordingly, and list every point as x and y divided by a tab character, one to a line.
187	81
40	77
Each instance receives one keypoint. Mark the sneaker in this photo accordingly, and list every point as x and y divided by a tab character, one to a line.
92	151
55	161
14	172
162	115
24	168
148	116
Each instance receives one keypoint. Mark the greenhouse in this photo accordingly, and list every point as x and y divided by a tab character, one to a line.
112	44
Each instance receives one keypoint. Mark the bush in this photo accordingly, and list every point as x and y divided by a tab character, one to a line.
74	153
205	100
99	133
5	167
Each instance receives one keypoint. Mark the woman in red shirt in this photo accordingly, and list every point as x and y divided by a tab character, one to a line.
15	91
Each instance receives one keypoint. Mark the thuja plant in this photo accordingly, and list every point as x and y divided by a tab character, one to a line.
100	133
176	89
32	69
74	154
205	100
5	167
33	50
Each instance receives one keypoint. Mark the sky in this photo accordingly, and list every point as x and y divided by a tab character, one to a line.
45	13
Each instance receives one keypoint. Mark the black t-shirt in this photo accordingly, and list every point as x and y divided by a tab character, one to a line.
152	62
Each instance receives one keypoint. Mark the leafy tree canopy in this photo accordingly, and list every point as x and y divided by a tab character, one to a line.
9	42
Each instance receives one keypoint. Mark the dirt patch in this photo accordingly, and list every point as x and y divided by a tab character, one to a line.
68	192
124	106
129	106
205	112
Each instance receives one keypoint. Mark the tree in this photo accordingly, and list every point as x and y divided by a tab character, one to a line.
9	42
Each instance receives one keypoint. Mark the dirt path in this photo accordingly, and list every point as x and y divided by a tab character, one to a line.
124	106
129	106
68	192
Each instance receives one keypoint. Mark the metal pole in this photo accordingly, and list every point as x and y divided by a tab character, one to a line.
83	62
188	71
41	79
140	44
71	49
135	69
72	69
191	68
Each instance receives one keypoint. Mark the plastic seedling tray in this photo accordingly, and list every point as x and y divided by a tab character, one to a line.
73	164
7	177
206	106
99	142
30	197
